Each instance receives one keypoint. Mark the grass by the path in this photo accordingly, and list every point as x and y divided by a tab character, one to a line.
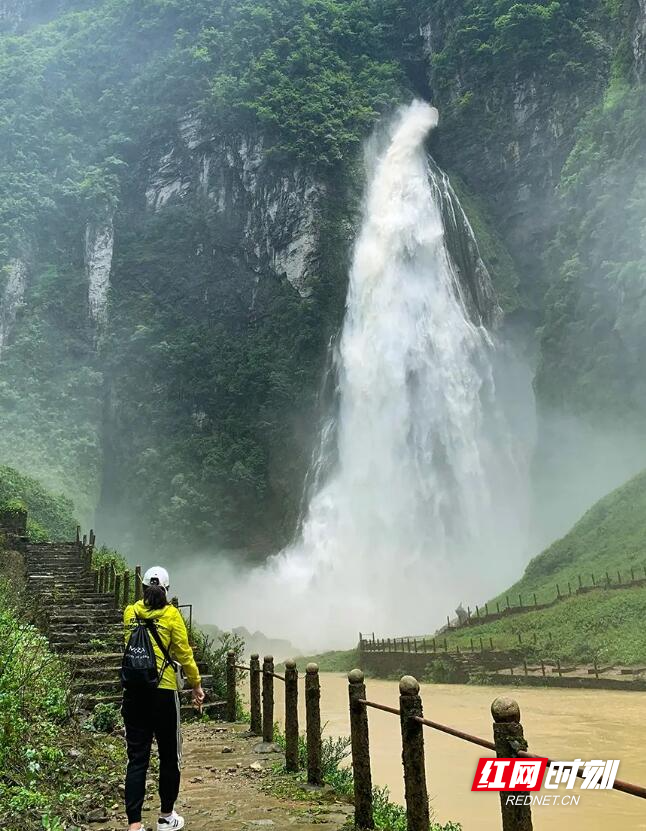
606	625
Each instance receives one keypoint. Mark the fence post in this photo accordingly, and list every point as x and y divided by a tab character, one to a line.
126	588
255	726
313	724
363	817
97	580
268	699
117	591
138	589
231	685
508	738
291	716
410	705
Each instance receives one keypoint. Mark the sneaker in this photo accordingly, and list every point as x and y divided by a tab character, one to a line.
172	823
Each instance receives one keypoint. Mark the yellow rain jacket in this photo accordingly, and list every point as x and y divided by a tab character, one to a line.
173	634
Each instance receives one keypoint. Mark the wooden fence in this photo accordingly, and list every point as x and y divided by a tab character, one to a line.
632	576
508	737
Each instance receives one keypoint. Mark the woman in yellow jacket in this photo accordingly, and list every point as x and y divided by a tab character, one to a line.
155	713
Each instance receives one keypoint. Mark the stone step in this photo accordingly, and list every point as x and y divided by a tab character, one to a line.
98	617
63	570
36	547
97	672
53	584
87	599
65	647
94	659
68	631
34	559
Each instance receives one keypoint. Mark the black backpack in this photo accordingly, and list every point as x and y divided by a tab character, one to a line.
139	665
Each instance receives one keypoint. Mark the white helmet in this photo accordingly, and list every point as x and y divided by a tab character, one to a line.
156	576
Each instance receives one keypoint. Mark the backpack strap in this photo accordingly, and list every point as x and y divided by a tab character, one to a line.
152	628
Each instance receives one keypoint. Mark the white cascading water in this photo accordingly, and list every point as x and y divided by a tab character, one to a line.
424	502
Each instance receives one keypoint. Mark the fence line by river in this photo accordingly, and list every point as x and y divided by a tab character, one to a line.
508	737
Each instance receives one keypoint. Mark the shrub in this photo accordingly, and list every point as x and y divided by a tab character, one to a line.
106	718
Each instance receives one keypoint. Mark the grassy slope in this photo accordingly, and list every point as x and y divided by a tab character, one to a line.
609	537
604	624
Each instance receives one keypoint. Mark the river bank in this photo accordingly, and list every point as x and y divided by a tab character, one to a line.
563	724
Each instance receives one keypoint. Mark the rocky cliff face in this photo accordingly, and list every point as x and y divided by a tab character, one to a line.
509	142
639	38
12	298
99	248
272	212
12	14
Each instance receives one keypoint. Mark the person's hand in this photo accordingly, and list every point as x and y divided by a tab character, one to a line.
198	696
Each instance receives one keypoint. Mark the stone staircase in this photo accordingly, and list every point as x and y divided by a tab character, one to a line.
85	625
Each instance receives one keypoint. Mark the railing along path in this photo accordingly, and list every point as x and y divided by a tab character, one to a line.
508	738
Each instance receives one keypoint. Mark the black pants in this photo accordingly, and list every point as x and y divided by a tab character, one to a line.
153	713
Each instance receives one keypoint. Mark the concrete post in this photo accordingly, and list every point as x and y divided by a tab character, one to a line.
291	717
268	699
117	591
255	726
508	738
126	588
138	584
97	579
363	816
231	685
410	705
313	724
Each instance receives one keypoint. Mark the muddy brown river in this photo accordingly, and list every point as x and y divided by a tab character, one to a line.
561	724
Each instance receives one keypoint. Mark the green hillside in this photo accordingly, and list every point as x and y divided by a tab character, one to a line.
605	624
610	537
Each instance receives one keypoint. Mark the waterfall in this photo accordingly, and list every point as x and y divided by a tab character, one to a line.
12	298
424	502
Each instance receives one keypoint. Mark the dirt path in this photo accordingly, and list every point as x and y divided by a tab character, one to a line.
236	790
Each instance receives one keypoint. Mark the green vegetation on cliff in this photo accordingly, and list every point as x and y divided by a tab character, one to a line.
48	515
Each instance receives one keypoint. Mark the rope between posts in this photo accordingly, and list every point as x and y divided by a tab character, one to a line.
261	671
618	785
451	731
